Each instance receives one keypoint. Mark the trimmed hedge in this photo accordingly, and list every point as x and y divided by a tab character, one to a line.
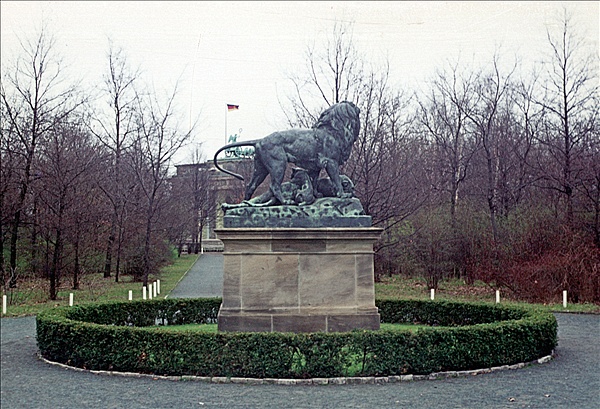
463	336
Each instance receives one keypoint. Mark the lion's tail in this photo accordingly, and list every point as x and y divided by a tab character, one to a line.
231	145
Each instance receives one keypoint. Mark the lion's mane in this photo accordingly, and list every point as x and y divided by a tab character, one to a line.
342	123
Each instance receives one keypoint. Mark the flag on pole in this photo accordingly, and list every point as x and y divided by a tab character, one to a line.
231	107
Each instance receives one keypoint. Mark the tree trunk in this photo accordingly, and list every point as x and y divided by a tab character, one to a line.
199	235
597	216
118	262
196	219
1	254
453	204
109	247
55	267
34	240
147	252
147	241
76	267
492	194
13	249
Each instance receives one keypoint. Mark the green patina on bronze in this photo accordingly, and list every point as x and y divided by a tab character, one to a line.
324	212
305	200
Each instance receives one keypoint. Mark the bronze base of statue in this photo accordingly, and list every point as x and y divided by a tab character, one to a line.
324	212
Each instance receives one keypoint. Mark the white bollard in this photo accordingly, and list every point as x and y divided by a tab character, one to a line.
4	300
497	296
70	299
150	292
144	292
564	298
130	295
432	296
154	289
158	286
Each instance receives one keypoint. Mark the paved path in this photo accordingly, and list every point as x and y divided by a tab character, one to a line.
571	380
204	279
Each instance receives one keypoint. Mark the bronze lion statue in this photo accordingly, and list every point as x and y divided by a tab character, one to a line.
299	190
327	145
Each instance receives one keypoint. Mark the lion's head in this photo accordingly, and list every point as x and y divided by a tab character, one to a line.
342	121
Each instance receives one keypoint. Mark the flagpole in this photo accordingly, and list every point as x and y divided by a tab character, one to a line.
228	107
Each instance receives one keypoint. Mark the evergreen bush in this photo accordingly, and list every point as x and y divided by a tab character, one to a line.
116	336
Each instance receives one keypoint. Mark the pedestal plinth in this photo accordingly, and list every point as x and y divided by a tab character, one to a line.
298	279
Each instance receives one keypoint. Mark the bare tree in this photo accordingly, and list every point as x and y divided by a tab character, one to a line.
385	156
9	187
571	98
484	113
116	130
159	138
523	121
590	177
34	98
443	115
333	74
66	158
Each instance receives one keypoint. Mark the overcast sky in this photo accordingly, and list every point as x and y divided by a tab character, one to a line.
241	52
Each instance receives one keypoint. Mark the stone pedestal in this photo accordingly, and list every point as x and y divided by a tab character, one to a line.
298	279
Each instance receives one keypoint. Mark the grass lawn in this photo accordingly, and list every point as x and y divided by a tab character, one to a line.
32	296
457	290
212	328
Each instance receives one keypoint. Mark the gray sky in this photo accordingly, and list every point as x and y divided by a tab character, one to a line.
240	52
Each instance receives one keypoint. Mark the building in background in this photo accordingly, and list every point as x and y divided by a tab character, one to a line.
203	188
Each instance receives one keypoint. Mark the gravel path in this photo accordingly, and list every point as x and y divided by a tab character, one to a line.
571	380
